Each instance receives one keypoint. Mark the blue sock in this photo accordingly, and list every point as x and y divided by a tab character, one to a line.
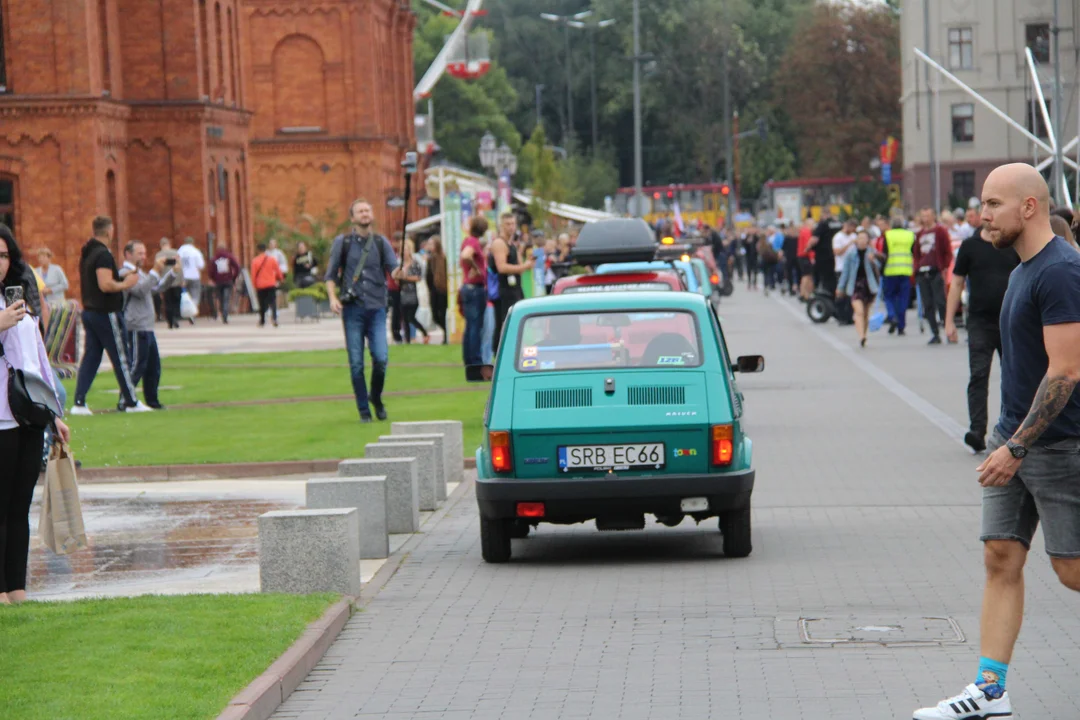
991	678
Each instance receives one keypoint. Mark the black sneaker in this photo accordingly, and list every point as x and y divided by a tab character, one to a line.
892	328
900	332
380	411
155	406
365	418
975	442
936	340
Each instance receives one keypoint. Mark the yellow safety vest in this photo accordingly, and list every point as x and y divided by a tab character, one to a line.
901	260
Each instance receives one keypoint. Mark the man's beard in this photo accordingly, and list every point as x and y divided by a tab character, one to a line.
1005	238
362	227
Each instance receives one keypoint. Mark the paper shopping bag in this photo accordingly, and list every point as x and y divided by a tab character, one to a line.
61	524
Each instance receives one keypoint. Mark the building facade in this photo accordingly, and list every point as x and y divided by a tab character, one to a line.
179	117
982	43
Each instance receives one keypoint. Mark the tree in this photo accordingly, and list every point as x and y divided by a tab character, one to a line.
844	79
546	182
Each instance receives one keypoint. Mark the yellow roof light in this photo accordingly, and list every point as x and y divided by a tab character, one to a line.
668	241
685	258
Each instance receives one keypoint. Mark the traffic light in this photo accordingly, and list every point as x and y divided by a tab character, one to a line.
670	194
725	189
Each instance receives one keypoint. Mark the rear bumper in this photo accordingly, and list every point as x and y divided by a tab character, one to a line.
579	500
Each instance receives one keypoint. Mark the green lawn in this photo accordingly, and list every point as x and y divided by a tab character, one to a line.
143	657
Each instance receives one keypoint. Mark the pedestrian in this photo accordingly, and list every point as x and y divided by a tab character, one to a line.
899	267
842	243
791	275
56	282
859	282
435	277
279	256
304	266
408	275
103	319
932	256
472	298
21	447
360	261
224	269
266	275
1030	475
770	259
170	299
394	300
140	340
505	263
192	263
821	242
804	253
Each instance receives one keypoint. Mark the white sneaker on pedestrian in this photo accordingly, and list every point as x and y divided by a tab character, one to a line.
972	704
80	410
138	407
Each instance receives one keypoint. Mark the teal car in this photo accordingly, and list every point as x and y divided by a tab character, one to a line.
686	270
608	407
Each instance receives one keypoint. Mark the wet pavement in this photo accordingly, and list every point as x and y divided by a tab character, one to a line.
168	538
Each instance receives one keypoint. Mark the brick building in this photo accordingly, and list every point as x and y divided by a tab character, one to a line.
177	117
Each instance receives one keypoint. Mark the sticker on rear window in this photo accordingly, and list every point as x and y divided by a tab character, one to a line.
547	365
528	363
671	360
529	351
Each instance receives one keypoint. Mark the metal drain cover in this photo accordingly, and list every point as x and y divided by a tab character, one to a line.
855	630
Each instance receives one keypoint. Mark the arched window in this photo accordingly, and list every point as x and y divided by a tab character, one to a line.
238	241
227	238
299	84
103	36
110	191
219	91
204	37
7	202
234	81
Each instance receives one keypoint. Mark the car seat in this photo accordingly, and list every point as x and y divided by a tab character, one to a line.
562	330
665	345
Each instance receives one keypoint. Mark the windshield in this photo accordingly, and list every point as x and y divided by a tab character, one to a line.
581	341
615	287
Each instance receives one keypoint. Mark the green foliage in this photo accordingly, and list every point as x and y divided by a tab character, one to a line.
316	292
588	179
543	176
870	198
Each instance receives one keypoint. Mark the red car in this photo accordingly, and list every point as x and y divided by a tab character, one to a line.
663	280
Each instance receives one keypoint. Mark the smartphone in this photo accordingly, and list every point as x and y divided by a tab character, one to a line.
13	295
170	261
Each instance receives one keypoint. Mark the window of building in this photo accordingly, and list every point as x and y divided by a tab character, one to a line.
219	91
1037	37
103	38
234	66
961	49
204	36
963	184
7	202
110	190
1035	122
963	122
3	53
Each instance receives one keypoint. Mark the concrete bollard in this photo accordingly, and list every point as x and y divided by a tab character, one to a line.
426	458
441	459
307	551
455	469
368	496
402	495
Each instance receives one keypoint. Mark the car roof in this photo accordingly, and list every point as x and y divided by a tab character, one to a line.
618	267
615	301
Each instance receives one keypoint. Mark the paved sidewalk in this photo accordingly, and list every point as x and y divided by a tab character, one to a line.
866	523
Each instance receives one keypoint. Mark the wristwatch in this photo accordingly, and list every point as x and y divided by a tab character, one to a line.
1018	451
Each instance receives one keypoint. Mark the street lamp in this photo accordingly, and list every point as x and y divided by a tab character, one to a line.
565	21
500	160
593	27
487	150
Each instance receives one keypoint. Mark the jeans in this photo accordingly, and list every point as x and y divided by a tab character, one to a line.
984	339
488	335
409	313
142	348
897	295
363	324
22	449
474	303
224	295
769	271
932	287
267	301
104	334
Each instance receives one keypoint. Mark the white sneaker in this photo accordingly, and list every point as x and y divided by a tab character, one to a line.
80	410
972	704
138	407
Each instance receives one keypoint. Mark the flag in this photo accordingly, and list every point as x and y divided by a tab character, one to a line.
679	227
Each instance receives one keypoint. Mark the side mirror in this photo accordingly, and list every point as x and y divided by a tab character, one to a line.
749	364
479	373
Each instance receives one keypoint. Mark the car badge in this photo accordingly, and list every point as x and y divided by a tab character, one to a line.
681	413
685	452
537	460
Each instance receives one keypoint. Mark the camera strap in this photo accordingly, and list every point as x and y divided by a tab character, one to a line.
363	258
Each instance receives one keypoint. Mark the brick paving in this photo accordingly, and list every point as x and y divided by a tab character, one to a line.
866	515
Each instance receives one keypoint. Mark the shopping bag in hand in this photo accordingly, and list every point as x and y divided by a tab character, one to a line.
61	524
188	309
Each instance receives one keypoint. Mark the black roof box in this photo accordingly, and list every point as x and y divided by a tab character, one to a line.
618	240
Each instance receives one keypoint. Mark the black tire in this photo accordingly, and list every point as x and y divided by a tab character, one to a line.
495	539
818	310
519	529
735	526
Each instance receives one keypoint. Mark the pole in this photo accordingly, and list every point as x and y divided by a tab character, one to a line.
592	52
637	109
569	90
729	141
1060	188
935	182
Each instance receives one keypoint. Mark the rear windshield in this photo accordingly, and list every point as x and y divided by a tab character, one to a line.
581	341
614	287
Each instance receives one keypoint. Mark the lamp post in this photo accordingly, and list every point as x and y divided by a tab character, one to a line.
592	28
565	21
501	161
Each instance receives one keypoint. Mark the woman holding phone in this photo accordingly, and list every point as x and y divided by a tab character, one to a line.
21	447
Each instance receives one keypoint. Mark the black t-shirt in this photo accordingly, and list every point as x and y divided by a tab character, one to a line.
95	256
987	270
791	246
824	232
1042	292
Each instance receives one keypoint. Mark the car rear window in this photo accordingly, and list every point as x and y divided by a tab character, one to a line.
596	340
614	287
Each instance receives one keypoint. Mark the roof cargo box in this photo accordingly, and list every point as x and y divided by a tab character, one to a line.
620	240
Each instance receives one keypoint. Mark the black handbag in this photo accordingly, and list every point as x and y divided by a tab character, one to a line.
32	402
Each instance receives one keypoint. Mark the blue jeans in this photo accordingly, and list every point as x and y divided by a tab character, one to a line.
897	292
486	350
474	303
362	324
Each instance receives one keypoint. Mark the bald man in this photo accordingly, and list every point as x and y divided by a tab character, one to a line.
1032	473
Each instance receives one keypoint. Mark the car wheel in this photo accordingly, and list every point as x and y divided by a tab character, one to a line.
495	539
519	529
735	526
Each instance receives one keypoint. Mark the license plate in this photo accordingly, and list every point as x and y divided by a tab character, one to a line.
611	457
694	504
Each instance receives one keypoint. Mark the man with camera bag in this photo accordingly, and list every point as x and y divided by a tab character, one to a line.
359	263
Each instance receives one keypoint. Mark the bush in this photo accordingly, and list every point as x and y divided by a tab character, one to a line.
316	291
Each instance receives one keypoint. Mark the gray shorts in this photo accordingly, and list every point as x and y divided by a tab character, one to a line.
1047	487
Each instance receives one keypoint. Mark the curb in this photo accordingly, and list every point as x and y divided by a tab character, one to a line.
212	471
264	695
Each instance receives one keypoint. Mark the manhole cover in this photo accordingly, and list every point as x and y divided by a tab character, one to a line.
861	630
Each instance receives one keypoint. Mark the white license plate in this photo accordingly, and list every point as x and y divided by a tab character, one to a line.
694	504
611	457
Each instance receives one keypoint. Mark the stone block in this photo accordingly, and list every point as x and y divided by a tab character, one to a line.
307	551
442	459
426	455
402	495
368	496
455	468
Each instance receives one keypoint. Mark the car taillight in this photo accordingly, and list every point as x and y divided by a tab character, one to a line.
714	279
723	448
530	509
500	451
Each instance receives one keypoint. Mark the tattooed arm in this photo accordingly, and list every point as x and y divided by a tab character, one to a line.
1063	348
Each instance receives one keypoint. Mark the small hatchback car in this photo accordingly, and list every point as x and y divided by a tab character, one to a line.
612	406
